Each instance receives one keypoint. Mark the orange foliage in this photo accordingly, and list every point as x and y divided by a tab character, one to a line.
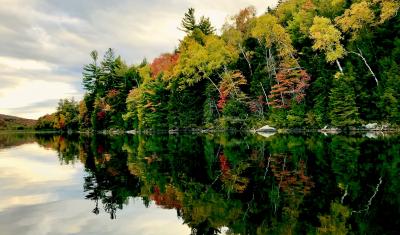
222	98
224	164
243	18
291	181
291	84
112	93
168	200
163	63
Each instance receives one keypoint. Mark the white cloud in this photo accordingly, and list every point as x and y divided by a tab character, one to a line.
28	92
12	64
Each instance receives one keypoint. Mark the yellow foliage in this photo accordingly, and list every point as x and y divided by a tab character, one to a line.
335	223
145	73
287	9
389	8
197	61
327	38
270	32
357	17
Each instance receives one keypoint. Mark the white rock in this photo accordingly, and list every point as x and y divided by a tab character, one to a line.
266	129
371	125
371	135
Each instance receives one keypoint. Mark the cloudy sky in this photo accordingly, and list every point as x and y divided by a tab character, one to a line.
45	43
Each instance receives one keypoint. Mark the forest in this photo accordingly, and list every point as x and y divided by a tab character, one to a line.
302	64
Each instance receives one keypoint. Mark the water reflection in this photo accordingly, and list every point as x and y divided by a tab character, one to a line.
230	183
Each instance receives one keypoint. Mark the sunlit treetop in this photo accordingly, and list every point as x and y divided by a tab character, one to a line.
198	61
358	16
327	38
269	31
303	19
164	65
389	8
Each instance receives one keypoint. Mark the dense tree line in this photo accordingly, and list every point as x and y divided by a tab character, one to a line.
303	63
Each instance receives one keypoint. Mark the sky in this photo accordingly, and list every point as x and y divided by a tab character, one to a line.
44	44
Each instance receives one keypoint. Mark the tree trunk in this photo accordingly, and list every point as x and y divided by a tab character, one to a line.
340	67
266	97
246	58
216	87
366	64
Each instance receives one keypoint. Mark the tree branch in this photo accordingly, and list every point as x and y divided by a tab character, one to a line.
366	64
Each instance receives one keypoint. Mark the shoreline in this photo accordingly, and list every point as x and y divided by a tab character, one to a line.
331	131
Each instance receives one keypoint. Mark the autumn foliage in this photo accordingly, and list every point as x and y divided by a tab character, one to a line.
290	86
163	64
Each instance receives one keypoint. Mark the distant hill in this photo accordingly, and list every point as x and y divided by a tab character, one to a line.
15	123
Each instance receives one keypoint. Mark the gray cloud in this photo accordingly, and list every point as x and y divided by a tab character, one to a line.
37	106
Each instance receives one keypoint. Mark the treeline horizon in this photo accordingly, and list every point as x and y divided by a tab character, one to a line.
305	63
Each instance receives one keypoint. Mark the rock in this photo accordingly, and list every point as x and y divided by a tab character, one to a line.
266	134
329	130
266	129
371	135
385	127
371	126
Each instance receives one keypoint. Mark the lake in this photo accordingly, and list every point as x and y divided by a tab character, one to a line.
228	183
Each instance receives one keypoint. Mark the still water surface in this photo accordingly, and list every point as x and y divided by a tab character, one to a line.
199	184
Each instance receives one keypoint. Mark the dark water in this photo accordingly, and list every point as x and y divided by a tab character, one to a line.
199	184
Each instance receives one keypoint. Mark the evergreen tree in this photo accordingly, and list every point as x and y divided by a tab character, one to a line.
205	26
188	23
91	74
343	111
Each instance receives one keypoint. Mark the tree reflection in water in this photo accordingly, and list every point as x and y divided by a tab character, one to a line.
247	184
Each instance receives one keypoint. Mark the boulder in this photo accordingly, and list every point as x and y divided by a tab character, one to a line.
266	129
371	126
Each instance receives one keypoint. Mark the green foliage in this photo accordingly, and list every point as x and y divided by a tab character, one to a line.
189	24
390	99
91	74
343	111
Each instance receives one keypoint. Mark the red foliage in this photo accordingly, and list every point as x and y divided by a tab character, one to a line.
291	180
222	99
224	164
101	115
291	84
168	200
163	63
100	149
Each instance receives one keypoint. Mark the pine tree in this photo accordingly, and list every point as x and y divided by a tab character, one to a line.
343	111
189	24
91	74
205	26
189	21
